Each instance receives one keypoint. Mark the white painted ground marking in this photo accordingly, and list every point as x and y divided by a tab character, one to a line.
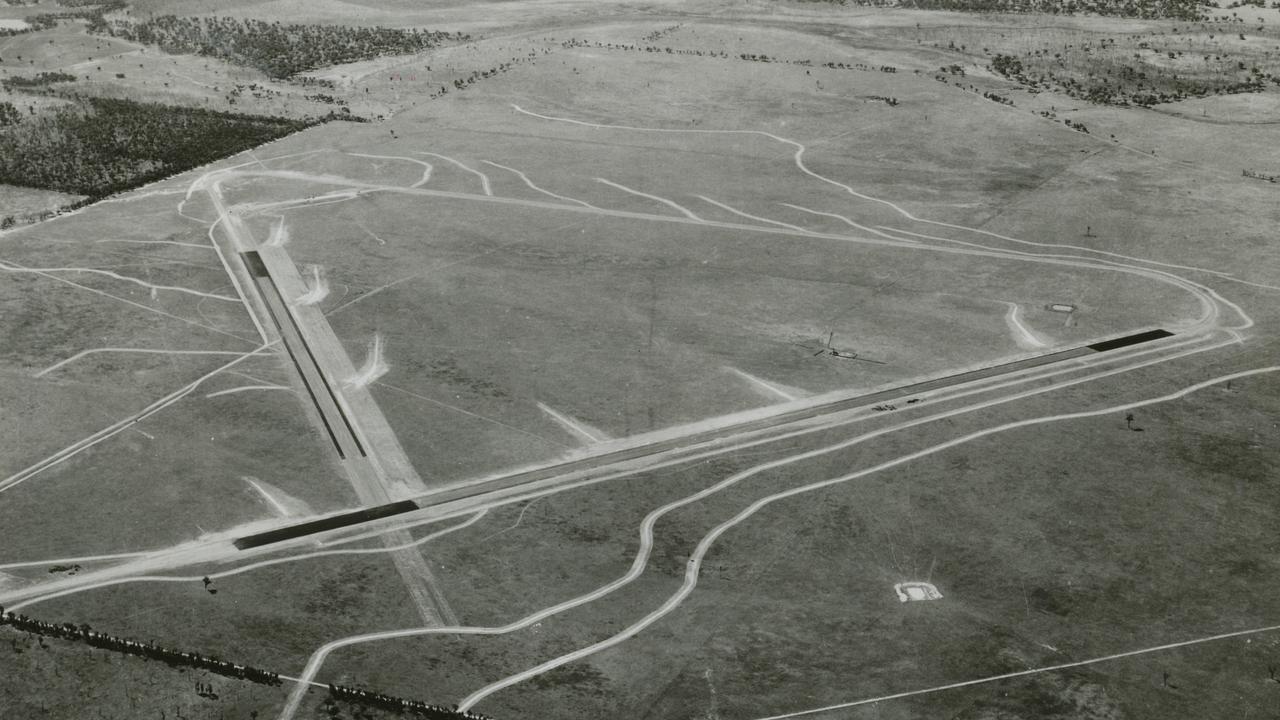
916	591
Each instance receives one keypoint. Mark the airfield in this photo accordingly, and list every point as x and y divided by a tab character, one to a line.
674	371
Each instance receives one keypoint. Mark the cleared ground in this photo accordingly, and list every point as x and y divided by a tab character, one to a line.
543	283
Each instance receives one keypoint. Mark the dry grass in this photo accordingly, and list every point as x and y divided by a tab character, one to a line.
1085	537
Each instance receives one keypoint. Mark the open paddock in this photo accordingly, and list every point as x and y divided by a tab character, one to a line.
603	242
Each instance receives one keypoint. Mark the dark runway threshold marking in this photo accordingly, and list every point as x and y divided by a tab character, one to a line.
1128	340
330	523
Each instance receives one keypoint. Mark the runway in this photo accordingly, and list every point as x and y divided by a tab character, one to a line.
693	441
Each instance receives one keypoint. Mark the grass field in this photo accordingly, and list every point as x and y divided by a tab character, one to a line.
606	240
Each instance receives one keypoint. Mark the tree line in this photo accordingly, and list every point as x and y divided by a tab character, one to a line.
722	55
182	659
397	705
277	49
174	658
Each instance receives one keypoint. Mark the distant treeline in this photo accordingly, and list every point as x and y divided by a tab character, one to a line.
1133	86
279	50
1261	175
1178	9
102	145
92	11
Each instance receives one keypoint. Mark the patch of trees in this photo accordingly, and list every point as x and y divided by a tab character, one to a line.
9	114
105	145
325	98
997	98
1007	65
279	50
657	34
43	79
